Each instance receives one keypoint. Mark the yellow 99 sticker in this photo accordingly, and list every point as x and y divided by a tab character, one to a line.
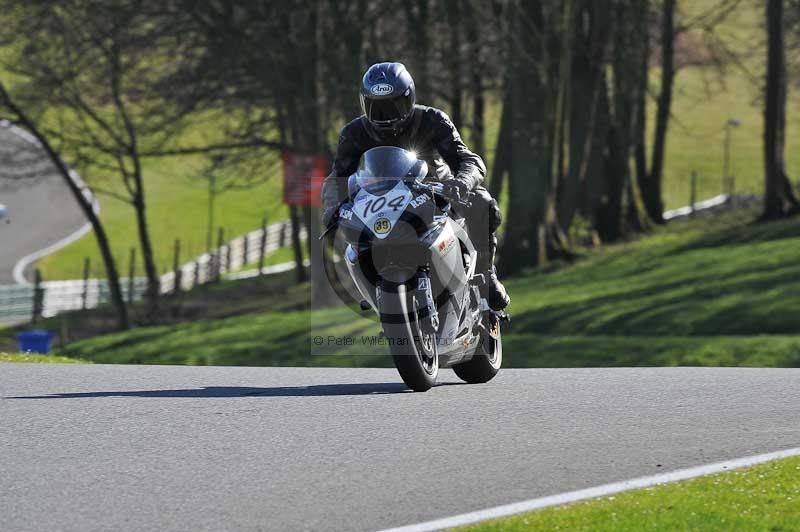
382	226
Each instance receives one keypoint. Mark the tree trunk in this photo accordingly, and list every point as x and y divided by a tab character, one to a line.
307	132
779	199
640	135
502	152
594	185
636	216
343	58
587	63
529	168
651	189
454	55
610	212
417	27
85	205
633	104
557	242
477	139
478	111
634	221
624	88
148	257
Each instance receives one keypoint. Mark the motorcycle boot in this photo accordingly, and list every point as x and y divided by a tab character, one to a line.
492	290
482	221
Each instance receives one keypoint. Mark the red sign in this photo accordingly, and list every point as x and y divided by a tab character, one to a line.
303	175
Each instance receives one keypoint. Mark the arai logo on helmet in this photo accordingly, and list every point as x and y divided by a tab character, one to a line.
381	89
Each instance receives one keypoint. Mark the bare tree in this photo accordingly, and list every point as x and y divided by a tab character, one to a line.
650	183
585	132
93	70
779	199
24	120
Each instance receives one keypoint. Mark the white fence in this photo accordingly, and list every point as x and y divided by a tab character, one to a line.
225	262
17	301
232	256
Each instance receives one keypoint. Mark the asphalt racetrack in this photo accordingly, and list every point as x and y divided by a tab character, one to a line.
41	209
131	448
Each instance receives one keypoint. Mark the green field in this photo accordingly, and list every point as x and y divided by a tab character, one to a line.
177	208
712	292
764	497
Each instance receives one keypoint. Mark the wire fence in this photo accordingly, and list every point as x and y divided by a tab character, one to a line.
228	261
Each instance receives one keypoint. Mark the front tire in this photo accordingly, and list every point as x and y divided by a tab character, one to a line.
414	353
488	357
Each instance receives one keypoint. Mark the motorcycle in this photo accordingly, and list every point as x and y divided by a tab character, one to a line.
409	256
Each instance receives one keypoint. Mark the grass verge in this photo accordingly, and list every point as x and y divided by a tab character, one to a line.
763	497
39	359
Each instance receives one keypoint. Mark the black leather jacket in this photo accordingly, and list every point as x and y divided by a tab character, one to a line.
430	133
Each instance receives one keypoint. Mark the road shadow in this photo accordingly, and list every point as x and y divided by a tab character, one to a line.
318	390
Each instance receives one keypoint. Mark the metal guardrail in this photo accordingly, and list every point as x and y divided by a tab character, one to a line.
17	301
222	263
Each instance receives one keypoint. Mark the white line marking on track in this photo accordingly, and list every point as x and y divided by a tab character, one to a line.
592	493
19	267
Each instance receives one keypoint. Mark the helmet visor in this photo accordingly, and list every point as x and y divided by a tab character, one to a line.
387	110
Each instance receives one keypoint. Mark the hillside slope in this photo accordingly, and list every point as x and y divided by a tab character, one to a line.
714	291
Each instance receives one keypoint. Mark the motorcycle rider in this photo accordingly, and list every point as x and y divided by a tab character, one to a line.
392	118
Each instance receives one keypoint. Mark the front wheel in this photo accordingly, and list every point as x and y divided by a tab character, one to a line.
488	357
414	353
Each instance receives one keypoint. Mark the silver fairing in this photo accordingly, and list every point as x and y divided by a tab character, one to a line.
452	265
448	247
366	290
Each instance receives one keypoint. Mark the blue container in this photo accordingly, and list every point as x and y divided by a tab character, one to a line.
34	342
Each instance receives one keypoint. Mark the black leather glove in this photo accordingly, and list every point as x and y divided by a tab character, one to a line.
455	190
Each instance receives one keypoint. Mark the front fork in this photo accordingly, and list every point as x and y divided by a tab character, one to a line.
428	315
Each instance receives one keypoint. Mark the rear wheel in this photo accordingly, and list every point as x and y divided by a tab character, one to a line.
488	357
413	352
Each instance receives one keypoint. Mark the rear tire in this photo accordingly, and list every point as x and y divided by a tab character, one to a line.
414	353
486	361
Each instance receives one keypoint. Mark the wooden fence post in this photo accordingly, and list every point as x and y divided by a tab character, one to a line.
218	254
263	246
246	249
176	266
38	297
196	280
228	250
282	236
86	270
732	190
132	276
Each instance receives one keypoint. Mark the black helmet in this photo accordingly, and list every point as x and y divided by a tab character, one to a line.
388	96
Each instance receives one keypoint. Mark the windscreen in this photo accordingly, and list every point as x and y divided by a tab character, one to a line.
382	167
